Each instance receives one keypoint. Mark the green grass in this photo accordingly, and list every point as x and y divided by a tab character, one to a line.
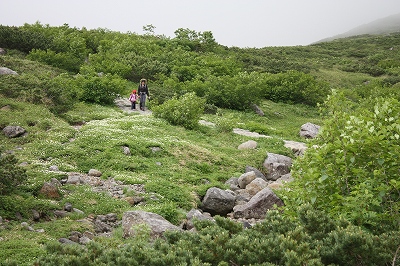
178	175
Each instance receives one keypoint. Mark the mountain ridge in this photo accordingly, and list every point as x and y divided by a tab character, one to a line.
386	25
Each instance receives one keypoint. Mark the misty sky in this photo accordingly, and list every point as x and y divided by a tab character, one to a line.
241	23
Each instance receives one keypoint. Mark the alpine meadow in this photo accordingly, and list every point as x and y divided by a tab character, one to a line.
60	88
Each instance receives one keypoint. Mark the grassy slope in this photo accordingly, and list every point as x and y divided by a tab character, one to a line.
189	161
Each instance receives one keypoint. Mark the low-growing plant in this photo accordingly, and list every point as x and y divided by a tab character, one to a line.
184	111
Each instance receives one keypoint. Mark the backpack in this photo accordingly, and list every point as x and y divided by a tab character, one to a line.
133	97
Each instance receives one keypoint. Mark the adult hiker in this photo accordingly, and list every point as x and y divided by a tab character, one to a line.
143	91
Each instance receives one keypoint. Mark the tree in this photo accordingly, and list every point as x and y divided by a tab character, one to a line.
352	168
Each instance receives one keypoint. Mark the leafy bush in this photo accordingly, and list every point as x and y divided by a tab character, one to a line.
184	111
22	39
101	89
352	169
295	87
11	175
61	60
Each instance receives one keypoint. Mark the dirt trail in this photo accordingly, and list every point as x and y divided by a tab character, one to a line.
125	105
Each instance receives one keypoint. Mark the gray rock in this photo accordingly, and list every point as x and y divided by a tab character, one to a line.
67	241
13	131
256	186
7	71
309	130
258	206
246	179
36	215
257	172
298	148
53	168
132	221
277	165
257	109
126	150
251	144
74	178
94	172
68	207
218	201
233	183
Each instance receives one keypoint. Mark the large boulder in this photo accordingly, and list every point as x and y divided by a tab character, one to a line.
195	214
257	172
218	201
13	131
7	71
256	186
298	148
250	144
277	165
132	222
258	205
246	179
309	130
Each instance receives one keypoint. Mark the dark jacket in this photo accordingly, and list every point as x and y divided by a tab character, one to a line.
143	89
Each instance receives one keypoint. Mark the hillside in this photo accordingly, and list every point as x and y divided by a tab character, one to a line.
345	186
387	25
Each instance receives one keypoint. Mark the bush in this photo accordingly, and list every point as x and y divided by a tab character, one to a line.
101	89
352	170
184	111
275	241
295	87
11	175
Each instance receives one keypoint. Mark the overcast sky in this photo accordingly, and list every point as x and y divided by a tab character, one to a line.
241	23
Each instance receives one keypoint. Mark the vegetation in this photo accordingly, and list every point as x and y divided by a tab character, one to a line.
342	208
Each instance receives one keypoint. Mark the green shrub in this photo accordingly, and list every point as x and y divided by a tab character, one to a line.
352	169
101	89
184	111
11	175
295	87
61	60
278	240
22	39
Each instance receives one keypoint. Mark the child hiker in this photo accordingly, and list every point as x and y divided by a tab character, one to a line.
133	98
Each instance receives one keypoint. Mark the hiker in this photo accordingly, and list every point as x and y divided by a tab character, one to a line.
133	98
143	92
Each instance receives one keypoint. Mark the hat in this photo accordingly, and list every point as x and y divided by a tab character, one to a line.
134	91
143	80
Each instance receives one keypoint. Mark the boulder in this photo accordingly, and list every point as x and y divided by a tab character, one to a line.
258	205
13	131
49	191
233	183
258	173
218	201
132	221
298	148
251	144
257	109
94	172
195	214
277	165
246	179
309	130
256	186
7	71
